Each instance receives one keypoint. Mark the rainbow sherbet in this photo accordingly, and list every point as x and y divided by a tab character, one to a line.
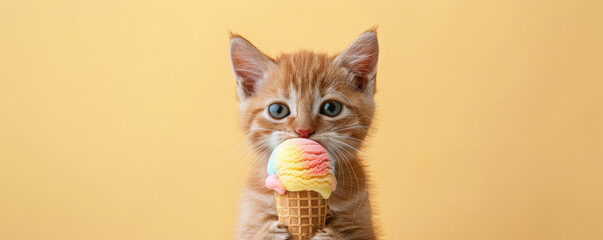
301	164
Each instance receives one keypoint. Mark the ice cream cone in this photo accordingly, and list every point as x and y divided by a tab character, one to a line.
302	212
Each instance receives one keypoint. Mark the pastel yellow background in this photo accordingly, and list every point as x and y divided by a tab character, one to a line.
118	119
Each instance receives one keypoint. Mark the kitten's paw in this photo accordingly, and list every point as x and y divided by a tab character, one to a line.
273	230
326	234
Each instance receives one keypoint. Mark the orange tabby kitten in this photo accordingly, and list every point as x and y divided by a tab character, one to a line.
325	98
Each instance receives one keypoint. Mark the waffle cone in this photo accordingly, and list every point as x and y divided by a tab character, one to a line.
302	212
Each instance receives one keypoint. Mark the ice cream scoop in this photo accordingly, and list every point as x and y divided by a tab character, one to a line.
301	173
301	164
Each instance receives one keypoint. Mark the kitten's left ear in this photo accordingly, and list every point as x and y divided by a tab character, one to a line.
360	58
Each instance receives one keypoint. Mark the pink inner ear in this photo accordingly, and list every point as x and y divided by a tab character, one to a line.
247	77
363	67
360	82
249	65
365	60
247	70
361	59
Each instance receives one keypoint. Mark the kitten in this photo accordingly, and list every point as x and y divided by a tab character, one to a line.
325	98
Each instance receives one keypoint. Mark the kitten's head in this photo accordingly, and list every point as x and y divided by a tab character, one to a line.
325	98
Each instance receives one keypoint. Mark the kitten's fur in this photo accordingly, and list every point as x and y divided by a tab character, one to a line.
303	81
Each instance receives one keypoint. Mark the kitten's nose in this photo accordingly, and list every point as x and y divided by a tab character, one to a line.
304	133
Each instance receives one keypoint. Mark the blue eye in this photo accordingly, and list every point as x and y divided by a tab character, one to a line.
278	110
331	108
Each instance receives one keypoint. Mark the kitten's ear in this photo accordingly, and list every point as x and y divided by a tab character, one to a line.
360	58
249	66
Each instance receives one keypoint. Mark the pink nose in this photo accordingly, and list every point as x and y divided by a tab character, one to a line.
304	133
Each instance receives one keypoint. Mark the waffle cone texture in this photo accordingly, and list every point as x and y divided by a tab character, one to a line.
302	212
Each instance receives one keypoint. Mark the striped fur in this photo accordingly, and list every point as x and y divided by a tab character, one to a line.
303	81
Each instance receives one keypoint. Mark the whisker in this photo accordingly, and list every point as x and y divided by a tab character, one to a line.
365	183
253	162
353	171
335	127
359	205
237	157
254	150
375	160
355	139
251	165
349	146
351	127
229	141
336	154
232	150
348	166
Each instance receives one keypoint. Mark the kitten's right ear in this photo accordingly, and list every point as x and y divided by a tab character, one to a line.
249	66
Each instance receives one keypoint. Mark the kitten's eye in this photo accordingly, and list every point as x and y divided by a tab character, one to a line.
331	108
278	110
